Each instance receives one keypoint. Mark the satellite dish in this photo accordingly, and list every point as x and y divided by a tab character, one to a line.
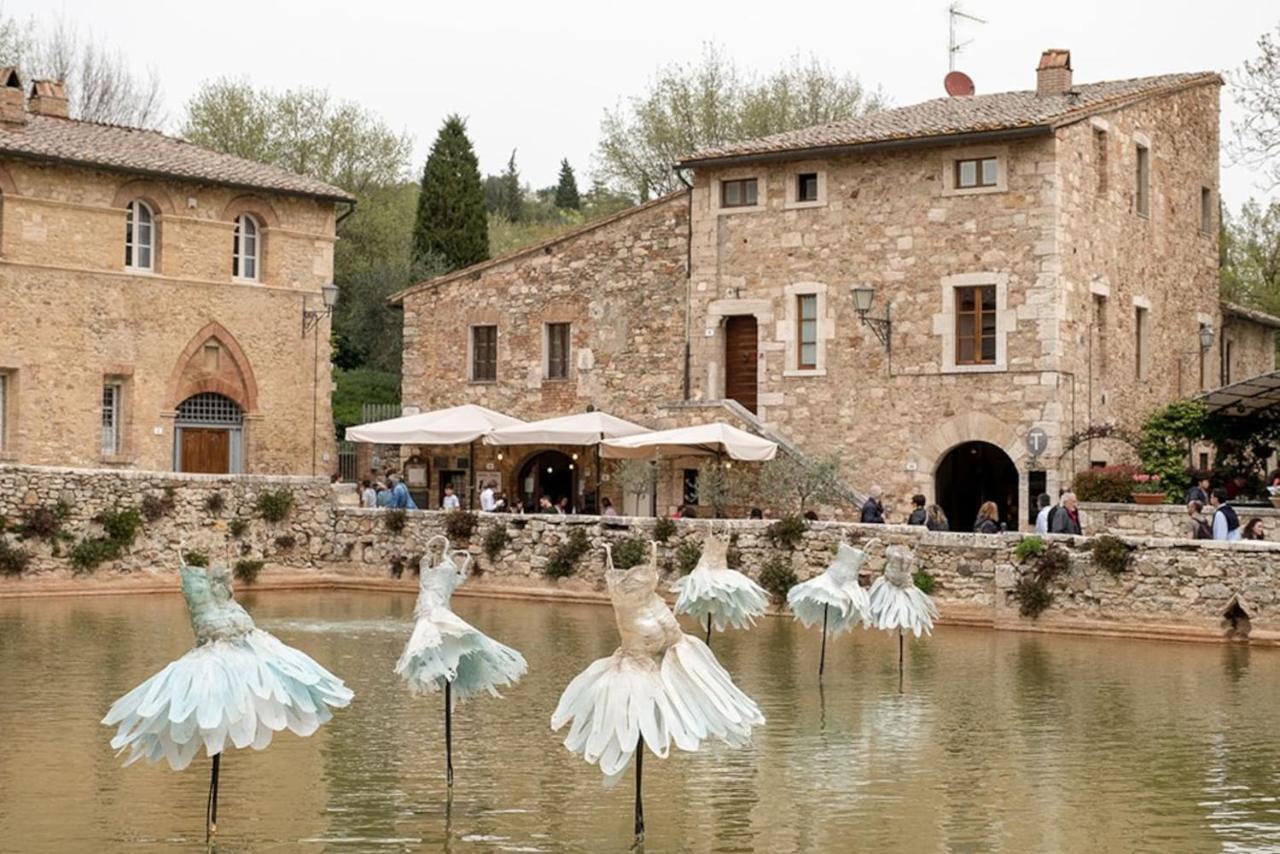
958	84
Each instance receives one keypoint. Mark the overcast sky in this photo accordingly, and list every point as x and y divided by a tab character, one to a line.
537	76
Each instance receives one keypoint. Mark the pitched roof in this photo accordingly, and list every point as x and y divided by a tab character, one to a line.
946	117
1253	314
149	152
481	266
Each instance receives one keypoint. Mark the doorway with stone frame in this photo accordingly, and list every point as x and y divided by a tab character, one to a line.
741	360
970	474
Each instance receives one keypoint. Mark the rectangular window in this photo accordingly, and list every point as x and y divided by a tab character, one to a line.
557	351
4	411
1140	343
111	409
1206	210
1204	461
976	325
807	187
977	172
484	354
1100	159
1143	195
807	331
738	194
1226	364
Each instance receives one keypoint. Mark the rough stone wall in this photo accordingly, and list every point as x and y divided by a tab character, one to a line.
1252	347
70	315
1162	520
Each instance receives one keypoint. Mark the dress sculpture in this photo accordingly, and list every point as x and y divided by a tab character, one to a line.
833	597
445	653
660	686
716	595
239	685
896	602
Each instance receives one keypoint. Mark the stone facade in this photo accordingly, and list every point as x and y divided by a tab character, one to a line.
73	319
1160	520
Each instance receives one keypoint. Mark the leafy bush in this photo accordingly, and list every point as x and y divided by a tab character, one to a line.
13	559
778	576
687	556
630	552
286	542
395	520
44	523
121	526
92	551
195	558
1111	553
246	571
495	541
1166	433
274	505
215	503
1033	589
156	506
1110	484
564	560
787	532
460	524
1032	546
664	529
924	579
238	527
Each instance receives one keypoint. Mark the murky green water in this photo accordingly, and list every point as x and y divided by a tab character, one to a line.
1001	742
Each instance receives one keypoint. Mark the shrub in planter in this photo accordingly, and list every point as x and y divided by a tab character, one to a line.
1110	484
787	532
13	559
246	571
1111	553
238	527
564	560
460	524
495	541
664	529
215	503
630	552
274	504
778	576
687	556
395	520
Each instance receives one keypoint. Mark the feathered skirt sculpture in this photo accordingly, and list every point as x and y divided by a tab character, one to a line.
897	604
716	595
237	688
445	653
660	687
834	597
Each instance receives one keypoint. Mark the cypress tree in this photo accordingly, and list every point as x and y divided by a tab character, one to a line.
451	226
512	199
567	189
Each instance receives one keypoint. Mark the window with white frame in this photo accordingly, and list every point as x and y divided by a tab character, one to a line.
738	193
977	172
139	236
112	408
807	332
246	249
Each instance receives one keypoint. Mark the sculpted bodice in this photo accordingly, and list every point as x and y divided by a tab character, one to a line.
844	569
437	583
214	614
645	623
897	570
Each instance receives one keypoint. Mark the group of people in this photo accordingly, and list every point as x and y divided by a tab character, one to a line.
931	516
388	491
1221	521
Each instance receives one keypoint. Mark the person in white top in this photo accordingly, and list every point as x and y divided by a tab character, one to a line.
368	495
1226	524
450	501
488	503
1045	503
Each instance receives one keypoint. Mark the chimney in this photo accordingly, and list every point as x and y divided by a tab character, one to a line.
12	109
48	98
1053	76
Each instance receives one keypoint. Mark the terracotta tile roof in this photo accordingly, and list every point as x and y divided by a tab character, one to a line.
149	152
1004	111
1253	314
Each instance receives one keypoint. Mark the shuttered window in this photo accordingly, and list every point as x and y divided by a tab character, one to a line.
557	351
111	409
484	354
976	325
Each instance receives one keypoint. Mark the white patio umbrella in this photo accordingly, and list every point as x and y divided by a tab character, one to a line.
584	428
457	425
702	439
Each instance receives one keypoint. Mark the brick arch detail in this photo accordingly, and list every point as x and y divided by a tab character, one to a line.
235	381
256	205
154	194
970	427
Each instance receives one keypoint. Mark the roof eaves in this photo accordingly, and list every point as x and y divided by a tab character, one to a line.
1253	314
1119	102
476	269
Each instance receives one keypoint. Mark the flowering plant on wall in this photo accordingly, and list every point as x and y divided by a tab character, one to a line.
1147	484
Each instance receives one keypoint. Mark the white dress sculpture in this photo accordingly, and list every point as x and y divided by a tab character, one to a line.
238	687
834	596
716	595
897	604
660	687
445	653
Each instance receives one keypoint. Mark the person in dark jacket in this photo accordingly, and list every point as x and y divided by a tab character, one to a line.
1067	519
935	519
988	521
872	509
1199	490
918	515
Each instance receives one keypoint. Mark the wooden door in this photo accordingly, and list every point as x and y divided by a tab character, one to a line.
741	351
206	451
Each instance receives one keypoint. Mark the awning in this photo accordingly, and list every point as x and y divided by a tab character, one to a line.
1247	397
585	428
702	439
456	425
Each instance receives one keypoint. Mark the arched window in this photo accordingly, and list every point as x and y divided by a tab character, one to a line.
247	249
139	236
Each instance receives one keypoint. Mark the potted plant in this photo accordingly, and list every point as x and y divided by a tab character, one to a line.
1147	489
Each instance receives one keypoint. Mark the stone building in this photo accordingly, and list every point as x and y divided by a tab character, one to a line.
152	296
942	293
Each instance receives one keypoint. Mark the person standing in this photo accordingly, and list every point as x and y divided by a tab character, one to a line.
368	495
872	509
935	519
1045	503
489	502
400	497
988	521
1226	524
450	501
384	494
1067	519
606	508
918	514
1199	490
1196	523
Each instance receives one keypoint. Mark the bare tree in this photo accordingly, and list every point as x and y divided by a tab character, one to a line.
100	84
1257	92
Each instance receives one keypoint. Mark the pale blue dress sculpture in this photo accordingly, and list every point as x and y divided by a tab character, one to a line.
237	688
446	653
660	687
834	597
716	595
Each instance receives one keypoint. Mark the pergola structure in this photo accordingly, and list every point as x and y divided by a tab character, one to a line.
1243	398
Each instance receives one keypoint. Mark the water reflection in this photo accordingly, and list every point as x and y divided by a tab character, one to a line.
999	742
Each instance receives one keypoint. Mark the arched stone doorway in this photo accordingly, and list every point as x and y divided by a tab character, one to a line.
208	435
970	474
548	473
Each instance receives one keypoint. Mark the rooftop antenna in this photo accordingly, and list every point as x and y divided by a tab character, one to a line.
954	13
